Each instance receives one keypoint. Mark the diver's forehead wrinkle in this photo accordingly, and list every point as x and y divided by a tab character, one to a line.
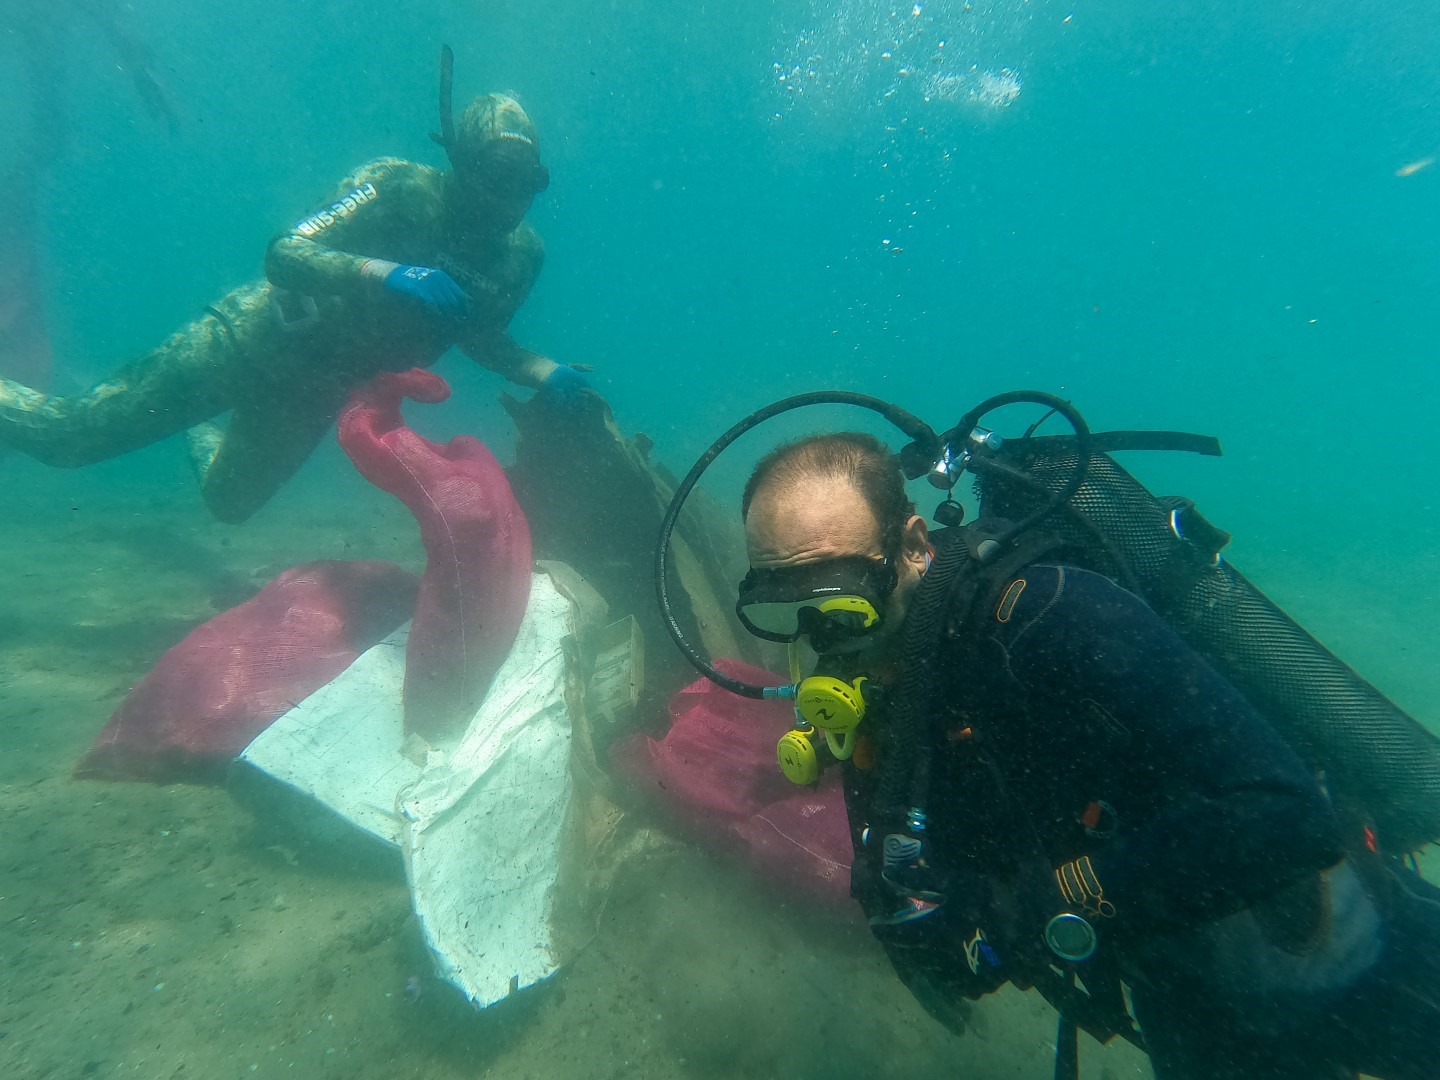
795	524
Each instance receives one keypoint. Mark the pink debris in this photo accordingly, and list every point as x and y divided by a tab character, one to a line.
477	576
715	771
228	680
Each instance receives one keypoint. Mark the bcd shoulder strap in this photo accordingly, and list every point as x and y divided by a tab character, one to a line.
982	579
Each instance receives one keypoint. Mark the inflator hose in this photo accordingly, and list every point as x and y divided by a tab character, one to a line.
959	436
904	777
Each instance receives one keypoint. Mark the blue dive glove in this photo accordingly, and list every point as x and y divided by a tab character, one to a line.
434	288
565	387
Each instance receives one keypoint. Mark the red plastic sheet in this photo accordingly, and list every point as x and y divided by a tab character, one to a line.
24	342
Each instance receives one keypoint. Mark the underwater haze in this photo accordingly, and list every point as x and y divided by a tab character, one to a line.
1197	216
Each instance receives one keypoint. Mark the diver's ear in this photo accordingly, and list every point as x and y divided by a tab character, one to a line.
915	544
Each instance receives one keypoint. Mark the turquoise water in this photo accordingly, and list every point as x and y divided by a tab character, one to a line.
1185	218
1179	215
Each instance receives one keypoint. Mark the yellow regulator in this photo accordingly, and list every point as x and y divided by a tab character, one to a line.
796	754
830	704
823	705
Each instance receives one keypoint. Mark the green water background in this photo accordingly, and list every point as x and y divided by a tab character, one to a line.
1189	216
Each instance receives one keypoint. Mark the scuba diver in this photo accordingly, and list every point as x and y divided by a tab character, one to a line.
403	262
1053	777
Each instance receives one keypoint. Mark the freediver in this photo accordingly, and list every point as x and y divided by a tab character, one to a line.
403	262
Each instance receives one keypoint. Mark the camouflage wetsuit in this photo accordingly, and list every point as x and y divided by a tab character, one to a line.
281	355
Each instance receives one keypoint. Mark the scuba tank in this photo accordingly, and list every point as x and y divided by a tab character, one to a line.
1376	759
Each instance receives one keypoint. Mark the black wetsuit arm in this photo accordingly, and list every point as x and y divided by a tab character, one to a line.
1218	810
385	206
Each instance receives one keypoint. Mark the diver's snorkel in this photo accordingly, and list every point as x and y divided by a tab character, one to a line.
446	135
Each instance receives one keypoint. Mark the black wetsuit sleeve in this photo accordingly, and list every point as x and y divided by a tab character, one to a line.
372	211
1219	810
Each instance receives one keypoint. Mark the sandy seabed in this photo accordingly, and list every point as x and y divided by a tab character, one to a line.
159	931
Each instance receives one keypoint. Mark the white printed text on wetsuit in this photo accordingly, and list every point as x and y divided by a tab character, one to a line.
336	211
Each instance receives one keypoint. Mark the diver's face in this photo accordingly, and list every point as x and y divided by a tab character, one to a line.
500	212
498	186
829	519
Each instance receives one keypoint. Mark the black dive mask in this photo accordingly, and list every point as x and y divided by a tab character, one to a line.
835	603
508	168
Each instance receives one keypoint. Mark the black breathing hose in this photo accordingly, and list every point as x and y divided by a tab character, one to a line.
916	458
959	435
924	442
906	765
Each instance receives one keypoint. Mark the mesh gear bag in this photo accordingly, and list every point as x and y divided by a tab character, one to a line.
228	680
210	695
715	772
